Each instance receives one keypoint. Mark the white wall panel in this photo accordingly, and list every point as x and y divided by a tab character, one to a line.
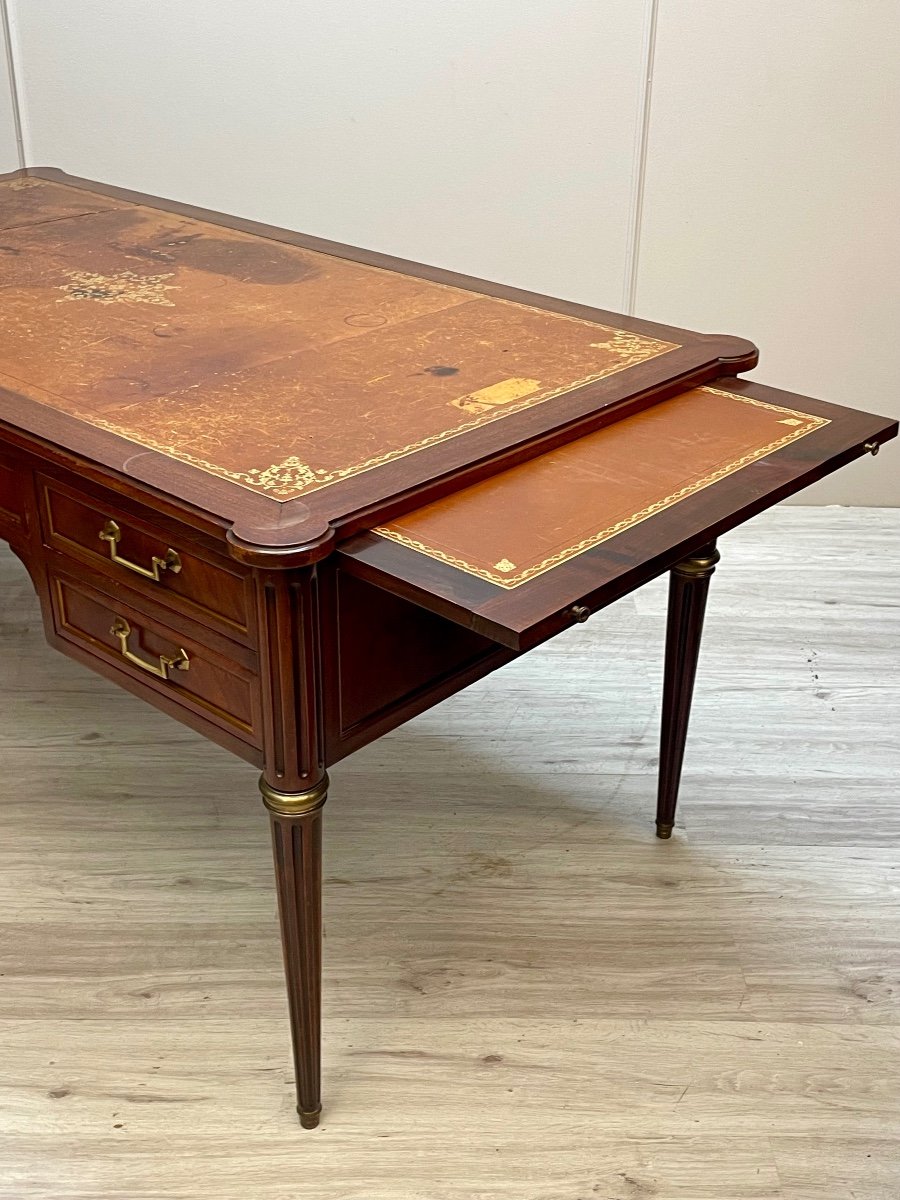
772	194
492	136
9	150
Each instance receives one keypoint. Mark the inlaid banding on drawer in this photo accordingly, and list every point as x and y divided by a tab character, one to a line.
156	561
168	660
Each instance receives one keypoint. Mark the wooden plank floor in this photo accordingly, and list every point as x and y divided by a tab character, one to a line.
526	994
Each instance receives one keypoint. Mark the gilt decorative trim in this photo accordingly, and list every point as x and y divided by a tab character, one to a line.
293	477
124	287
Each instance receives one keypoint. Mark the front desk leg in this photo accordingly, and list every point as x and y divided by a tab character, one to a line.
688	587
297	844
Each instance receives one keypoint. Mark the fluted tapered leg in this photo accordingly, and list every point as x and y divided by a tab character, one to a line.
297	844
688	588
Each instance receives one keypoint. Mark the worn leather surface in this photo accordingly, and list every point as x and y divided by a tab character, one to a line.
280	368
533	517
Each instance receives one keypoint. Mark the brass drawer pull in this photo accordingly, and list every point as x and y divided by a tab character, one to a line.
171	561
175	662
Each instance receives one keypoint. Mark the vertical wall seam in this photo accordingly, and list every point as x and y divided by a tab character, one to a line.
13	82
632	262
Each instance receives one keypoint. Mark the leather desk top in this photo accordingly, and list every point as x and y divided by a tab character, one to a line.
527	520
283	386
279	368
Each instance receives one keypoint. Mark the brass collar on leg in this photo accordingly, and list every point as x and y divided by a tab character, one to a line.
699	565
294	804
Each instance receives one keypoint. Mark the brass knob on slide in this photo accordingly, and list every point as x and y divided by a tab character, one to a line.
580	612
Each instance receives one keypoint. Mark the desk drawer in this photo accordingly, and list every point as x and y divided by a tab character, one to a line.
166	660
157	560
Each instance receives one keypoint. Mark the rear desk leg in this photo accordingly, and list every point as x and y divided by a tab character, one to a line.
688	587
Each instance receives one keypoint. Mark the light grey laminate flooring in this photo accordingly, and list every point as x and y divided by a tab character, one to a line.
527	995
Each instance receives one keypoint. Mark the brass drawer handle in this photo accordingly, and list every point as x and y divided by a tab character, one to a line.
174	662
171	561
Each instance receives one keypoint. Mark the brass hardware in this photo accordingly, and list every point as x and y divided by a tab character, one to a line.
872	447
294	804
663	830
171	560
699	565
175	662
309	1120
580	612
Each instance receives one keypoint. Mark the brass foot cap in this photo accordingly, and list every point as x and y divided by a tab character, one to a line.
309	1120
663	831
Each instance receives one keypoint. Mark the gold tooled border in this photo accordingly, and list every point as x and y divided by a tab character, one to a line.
278	479
508	582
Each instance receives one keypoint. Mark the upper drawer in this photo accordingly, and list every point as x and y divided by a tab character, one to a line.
528	551
149	558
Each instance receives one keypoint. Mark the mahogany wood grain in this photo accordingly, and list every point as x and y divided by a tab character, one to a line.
386	660
297	849
13	499
291	671
289	614
221	734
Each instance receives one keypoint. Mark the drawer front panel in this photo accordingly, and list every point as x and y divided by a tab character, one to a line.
164	658
155	562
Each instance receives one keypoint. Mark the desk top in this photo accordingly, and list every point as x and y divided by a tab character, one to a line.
287	385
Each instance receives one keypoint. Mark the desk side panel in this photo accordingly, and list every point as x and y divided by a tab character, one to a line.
387	660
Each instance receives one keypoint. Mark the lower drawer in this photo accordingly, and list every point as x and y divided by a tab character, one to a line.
167	663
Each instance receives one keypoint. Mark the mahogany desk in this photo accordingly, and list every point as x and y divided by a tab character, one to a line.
293	493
